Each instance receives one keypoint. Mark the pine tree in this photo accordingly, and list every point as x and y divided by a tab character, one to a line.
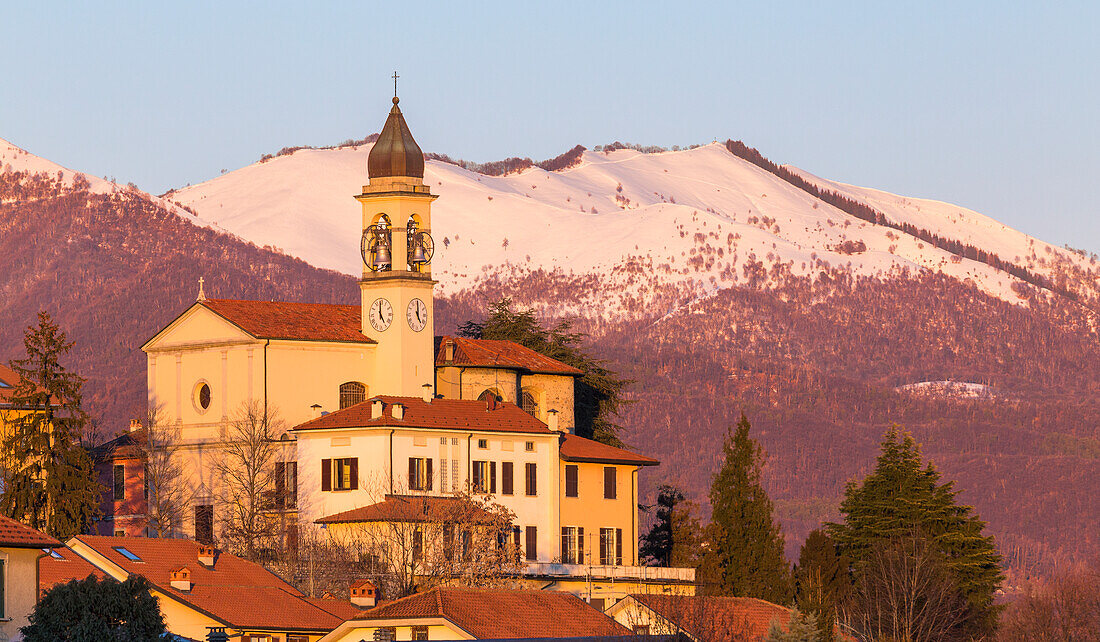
802	627
598	393
822	581
48	479
675	537
901	499
745	556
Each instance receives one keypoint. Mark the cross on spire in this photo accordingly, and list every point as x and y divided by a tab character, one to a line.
395	77
202	295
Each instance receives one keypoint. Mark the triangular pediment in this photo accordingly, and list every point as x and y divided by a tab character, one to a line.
196	326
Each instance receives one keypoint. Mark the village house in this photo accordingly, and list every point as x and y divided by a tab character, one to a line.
21	548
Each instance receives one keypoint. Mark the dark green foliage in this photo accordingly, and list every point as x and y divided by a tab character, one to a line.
675	538
94	610
745	556
598	394
902	497
47	474
802	627
822	581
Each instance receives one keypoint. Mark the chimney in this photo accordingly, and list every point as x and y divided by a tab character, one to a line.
135	425
364	595
206	555
315	410
217	634
398	411
376	406
427	392
181	579
449	351
552	420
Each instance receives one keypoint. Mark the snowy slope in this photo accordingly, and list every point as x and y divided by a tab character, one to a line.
624	208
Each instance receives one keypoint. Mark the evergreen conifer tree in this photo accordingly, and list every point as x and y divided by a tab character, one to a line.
902	497
94	609
745	556
822	581
675	537
598	393
802	627
48	479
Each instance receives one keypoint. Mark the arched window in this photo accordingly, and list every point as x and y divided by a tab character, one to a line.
530	406
487	395
352	393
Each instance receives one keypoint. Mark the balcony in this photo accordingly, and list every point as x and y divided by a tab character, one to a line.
594	571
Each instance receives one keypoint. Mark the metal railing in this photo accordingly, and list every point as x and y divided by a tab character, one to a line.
644	573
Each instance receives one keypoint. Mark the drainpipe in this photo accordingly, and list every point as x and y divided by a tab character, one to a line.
266	343
469	463
391	461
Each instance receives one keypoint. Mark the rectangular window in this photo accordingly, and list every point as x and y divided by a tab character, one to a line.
418	544
297	638
443	475
481	477
609	482
570	480
572	545
493	477
532	541
532	480
529	446
483	443
345	474
204	524
454	475
420	633
607	546
448	542
506	478
420	473
286	484
120	483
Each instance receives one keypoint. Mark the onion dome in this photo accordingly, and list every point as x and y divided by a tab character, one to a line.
395	153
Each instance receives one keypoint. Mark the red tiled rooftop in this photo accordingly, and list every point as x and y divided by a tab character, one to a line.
61	566
297	321
235	591
8	381
15	534
443	414
491	353
412	508
579	449
502	614
717	618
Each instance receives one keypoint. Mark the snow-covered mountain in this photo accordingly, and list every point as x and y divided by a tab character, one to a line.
691	218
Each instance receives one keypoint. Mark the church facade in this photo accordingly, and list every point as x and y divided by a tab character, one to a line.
372	407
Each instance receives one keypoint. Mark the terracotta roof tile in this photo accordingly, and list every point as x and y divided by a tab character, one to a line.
61	566
444	414
502	614
491	353
15	534
8	381
235	591
297	321
574	448
717	618
412	508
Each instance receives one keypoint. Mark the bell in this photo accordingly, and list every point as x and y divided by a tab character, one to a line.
418	255
381	255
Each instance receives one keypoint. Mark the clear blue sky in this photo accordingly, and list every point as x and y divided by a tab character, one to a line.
991	105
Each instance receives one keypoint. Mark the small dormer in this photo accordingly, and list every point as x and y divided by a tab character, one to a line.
207	555
180	579
364	595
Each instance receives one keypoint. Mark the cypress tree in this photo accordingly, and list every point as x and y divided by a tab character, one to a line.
902	498
745	556
48	479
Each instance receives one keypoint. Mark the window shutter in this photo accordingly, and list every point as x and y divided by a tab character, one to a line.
618	547
580	545
603	546
493	477
280	484
609	482
570	480
326	474
476	481
413	484
532	543
506	477
532	481
428	484
354	465
566	552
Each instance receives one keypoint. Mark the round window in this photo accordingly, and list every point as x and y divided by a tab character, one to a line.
204	396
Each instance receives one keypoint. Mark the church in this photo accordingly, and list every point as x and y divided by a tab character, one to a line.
377	411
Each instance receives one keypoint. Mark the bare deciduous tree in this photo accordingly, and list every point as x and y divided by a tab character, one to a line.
1066	607
245	473
905	592
169	494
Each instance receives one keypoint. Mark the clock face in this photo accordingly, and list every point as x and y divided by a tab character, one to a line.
417	314
380	314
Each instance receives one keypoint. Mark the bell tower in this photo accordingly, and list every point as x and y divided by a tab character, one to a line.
397	287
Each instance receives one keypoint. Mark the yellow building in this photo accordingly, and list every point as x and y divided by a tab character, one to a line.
376	408
21	548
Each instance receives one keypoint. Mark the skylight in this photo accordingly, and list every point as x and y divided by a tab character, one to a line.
127	553
4	384
53	553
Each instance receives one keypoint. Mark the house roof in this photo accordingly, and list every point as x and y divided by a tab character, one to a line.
292	321
715	618
62	565
413	508
15	534
489	613
128	445
9	379
234	591
579	449
442	414
491	353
